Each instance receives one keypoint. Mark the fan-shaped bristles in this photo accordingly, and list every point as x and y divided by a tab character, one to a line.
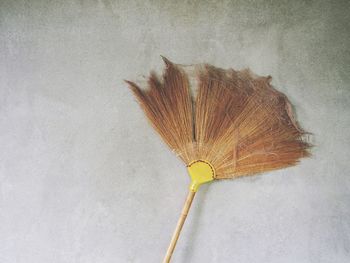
238	122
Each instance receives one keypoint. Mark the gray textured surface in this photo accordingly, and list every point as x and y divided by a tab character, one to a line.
83	178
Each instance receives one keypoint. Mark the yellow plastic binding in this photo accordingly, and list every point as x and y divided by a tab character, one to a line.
200	172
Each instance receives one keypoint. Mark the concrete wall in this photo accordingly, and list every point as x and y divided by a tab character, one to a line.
83	177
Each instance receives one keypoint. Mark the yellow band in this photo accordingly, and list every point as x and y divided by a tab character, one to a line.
200	172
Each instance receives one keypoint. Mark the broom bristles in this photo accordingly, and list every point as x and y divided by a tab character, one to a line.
238	122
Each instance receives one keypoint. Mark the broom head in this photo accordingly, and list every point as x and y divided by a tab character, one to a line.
237	124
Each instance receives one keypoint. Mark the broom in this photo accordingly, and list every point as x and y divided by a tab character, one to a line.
236	125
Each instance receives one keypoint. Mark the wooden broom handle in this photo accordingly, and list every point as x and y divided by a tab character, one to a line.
179	225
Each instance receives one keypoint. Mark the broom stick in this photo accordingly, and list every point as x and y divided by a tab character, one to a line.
179	225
